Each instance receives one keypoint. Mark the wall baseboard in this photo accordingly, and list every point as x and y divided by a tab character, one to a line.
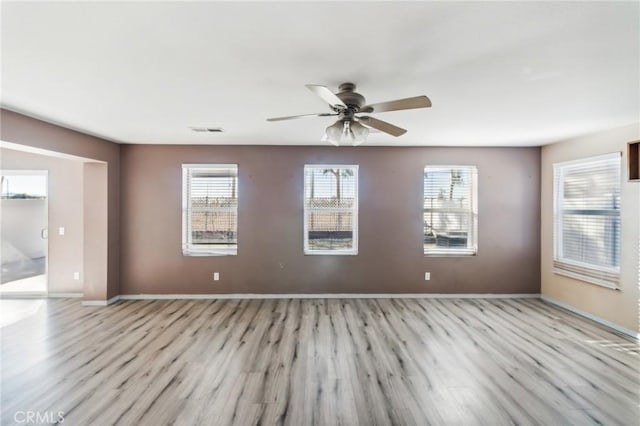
64	295
590	316
107	302
330	296
20	295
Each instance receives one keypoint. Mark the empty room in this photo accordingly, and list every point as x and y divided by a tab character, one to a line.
320	213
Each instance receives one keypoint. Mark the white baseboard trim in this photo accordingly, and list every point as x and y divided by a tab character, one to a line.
114	299
65	295
590	316
94	303
26	295
329	296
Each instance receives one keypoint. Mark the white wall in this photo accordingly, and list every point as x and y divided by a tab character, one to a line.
65	210
617	306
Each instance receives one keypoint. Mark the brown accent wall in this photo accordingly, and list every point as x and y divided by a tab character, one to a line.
270	233
20	129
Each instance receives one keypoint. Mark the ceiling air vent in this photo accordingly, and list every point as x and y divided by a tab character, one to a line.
207	129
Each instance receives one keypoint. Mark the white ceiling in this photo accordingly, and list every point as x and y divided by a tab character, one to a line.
498	74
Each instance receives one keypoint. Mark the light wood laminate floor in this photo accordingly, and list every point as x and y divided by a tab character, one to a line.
318	362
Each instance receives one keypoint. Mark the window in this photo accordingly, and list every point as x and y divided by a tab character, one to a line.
23	184
330	209
587	219
209	209
450	210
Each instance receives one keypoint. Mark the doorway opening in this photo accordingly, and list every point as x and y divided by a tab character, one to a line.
24	223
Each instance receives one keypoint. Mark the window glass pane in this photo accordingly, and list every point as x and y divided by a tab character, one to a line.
211	209
214	191
213	200
24	186
591	239
212	227
331	204
449	216
587	219
330	231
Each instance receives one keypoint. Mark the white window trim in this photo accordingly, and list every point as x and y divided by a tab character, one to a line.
335	252
558	197
188	248
452	252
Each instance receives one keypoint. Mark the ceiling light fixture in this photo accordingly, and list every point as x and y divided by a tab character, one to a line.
346	132
352	128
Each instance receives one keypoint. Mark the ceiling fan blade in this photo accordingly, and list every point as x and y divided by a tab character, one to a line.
408	103
382	126
291	117
326	95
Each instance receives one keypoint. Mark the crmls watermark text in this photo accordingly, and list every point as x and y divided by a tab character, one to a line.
38	417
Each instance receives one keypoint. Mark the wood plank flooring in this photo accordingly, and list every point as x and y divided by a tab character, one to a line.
318	362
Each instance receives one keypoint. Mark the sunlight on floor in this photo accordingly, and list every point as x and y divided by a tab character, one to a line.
35	284
14	310
630	347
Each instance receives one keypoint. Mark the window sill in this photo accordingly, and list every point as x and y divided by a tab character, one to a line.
330	253
586	279
603	277
197	253
452	253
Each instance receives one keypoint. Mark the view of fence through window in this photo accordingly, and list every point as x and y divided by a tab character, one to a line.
331	208
449	216
212	206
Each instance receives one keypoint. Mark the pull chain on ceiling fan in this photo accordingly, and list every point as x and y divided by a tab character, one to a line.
351	128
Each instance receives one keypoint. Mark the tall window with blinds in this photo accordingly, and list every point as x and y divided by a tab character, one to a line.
209	209
450	210
330	209
587	219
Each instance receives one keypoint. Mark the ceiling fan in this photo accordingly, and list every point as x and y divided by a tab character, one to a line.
346	104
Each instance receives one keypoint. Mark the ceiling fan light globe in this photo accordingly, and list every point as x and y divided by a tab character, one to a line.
346	132
346	136
334	133
359	131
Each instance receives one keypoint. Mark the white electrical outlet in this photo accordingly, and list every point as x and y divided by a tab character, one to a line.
61	230
427	276
76	276
216	276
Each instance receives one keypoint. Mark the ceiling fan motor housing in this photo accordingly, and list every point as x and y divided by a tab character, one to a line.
350	98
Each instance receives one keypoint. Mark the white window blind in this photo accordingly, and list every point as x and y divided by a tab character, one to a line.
209	209
450	210
587	219
330	209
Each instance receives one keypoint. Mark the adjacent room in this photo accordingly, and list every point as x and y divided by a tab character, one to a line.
320	213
